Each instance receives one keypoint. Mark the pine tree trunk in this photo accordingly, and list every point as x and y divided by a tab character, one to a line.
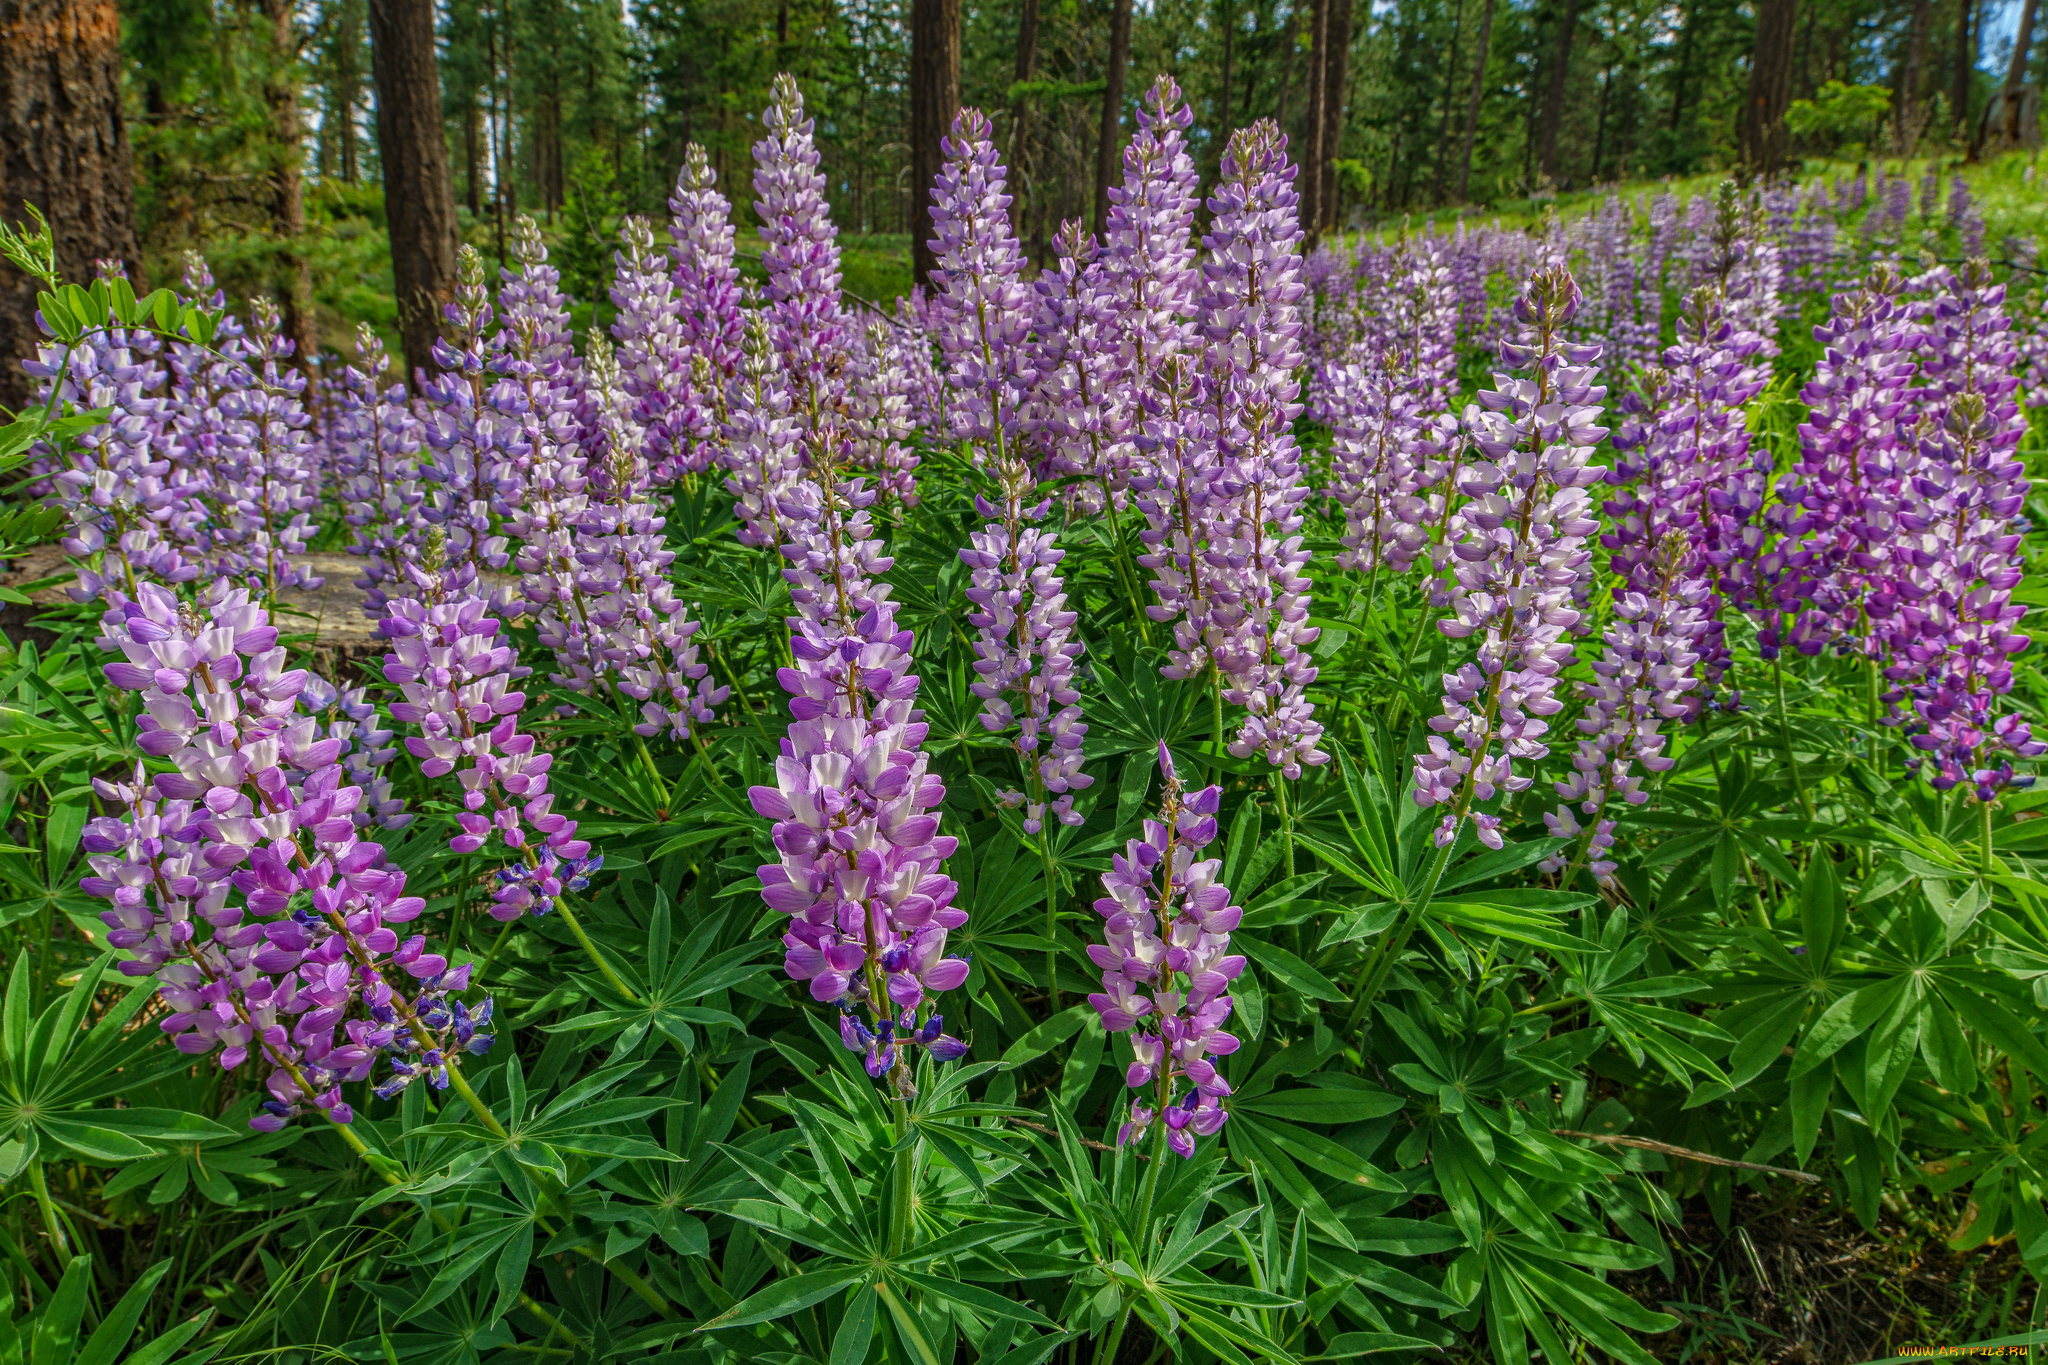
1020	111
1965	62
1906	98
934	100
1472	106
1336	89
63	148
1770	86
288	183
1308	182
1109	144
419	201
1553	98
2009	132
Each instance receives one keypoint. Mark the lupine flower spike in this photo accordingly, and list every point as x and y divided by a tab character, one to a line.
1167	966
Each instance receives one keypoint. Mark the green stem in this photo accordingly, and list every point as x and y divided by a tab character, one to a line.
58	1241
576	928
1785	731
1984	811
1052	910
1106	1353
1286	817
1373	974
1216	697
902	1181
1123	571
475	1102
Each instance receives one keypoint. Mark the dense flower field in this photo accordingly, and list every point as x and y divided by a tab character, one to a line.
1201	803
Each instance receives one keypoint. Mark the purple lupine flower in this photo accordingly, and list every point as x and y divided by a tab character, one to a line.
1180	492
1956	634
927	386
131	516
376	439
1251	317
539	389
1025	650
807	323
348	715
254	817
448	664
1078	422
1520	550
467	429
1147	265
1685	469
855	805
1382	469
1688	440
1167	966
979	311
267	476
707	281
654	354
1429	292
882	399
1830	511
761	438
614	443
642	639
1945	610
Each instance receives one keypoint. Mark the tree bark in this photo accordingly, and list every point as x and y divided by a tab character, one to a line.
2014	94
934	102
1336	87
1770	86
419	200
1109	143
1965	65
1472	106
63	148
1020	111
1906	94
294	282
1309	151
1553	97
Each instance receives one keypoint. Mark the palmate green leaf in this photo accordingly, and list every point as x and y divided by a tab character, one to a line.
1317	1103
973	1297
1356	1345
781	1297
856	1329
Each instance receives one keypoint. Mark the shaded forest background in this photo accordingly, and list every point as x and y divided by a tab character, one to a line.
578	111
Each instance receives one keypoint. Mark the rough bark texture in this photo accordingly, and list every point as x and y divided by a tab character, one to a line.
1109	144
1770	86
934	100
63	148
294	278
1965	60
419	198
1020	110
1309	152
1336	94
1472	106
1906	95
1553	96
2014	120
